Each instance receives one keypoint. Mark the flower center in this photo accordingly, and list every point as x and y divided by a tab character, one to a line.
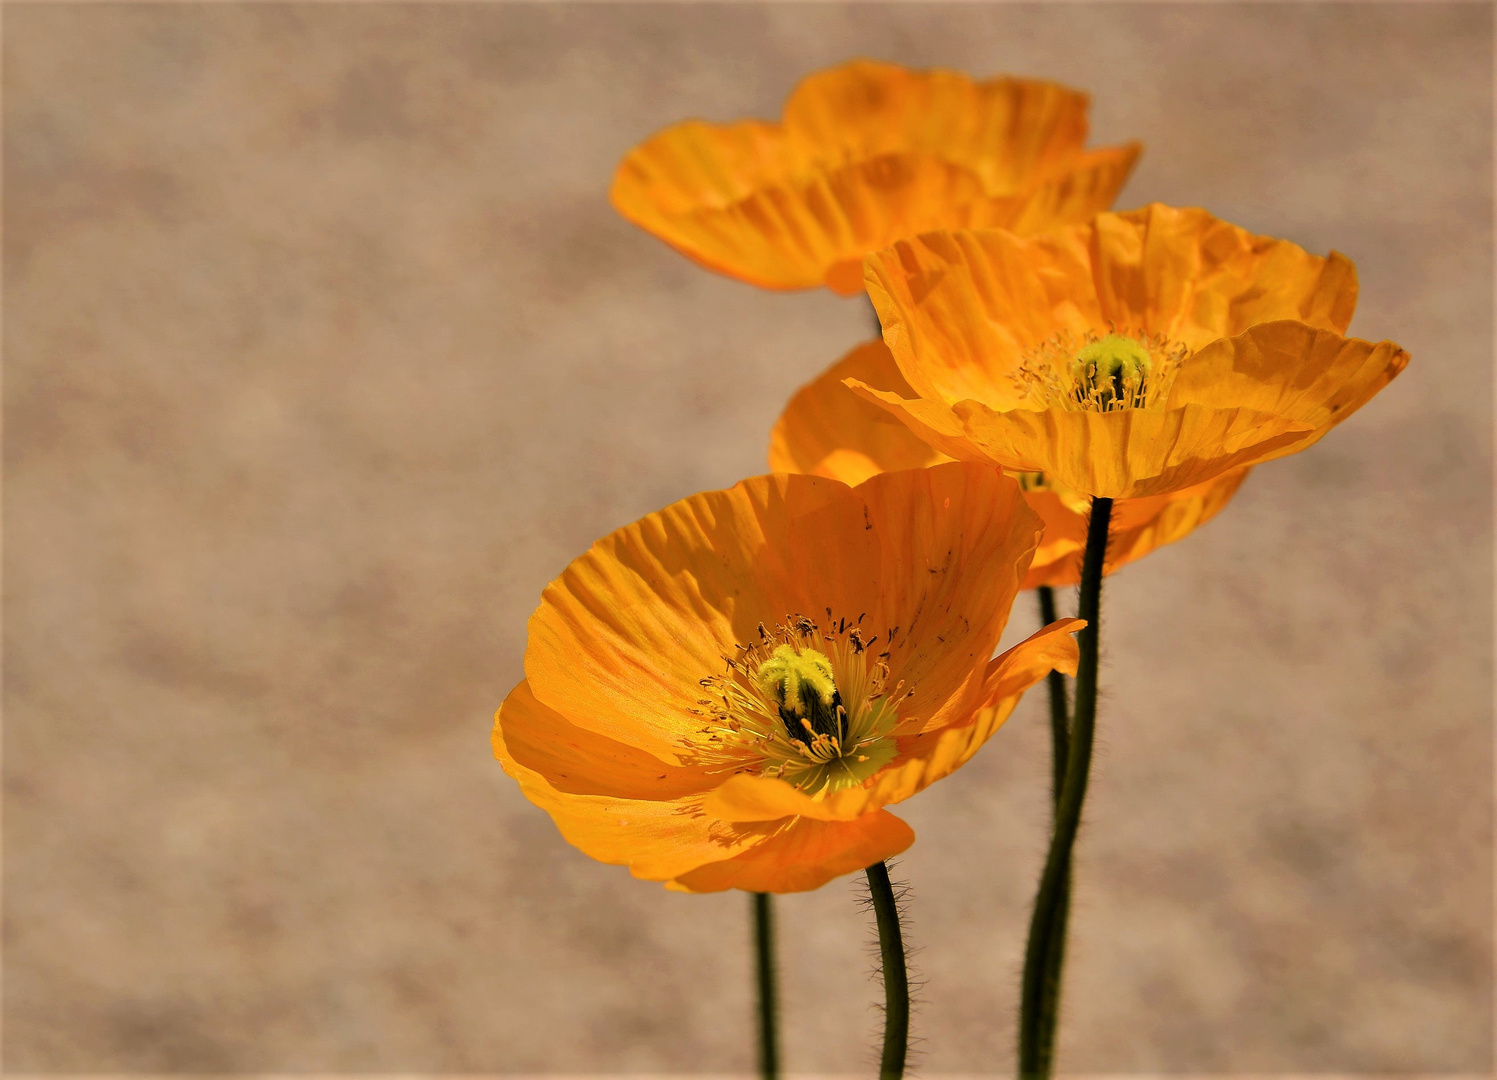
1101	372
805	703
805	687
1111	371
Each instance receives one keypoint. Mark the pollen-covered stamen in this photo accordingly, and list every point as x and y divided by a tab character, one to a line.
1100	372
1112	372
805	688
806	703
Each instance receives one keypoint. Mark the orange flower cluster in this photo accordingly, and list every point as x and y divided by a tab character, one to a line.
728	693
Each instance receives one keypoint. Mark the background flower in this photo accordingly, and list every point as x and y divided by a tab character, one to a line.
866	153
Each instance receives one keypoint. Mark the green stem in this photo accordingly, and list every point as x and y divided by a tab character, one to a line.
896	979
1059	710
767	998
1040	991
1060	737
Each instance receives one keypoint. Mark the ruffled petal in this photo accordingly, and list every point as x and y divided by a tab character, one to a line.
530	737
937	751
960	310
827	430
1064	540
1139	526
1192	277
956	541
804	854
658	835
1008	130
767	798
624	637
1126	454
1089	185
868	153
928	751
1315	377
1133	452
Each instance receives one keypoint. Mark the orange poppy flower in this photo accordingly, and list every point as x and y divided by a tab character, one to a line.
728	693
867	153
828	430
1142	354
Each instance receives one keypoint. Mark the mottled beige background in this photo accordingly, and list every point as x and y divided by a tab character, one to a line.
324	352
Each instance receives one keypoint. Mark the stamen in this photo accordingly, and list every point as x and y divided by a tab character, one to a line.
1099	373
803	704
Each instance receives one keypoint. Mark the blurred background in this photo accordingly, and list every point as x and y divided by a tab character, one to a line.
325	352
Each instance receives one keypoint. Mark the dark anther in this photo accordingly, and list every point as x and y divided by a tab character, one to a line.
824	719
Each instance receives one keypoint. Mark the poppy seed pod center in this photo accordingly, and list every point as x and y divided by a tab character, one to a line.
806	703
805	687
1111	369
1101	373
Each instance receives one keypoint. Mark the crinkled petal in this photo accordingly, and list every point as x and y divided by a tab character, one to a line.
1315	377
658	835
1192	277
927	750
624	637
804	854
1139	526
868	153
1010	130
956	541
1089	185
767	798
960	310
827	430
1126	454
531	737
928	756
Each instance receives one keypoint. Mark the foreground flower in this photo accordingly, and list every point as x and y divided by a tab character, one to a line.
867	153
828	430
727	693
1139	355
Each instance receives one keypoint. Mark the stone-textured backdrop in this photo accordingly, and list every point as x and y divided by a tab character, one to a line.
324	352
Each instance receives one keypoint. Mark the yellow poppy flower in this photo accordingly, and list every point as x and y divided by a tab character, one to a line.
727	693
828	430
1141	354
867	153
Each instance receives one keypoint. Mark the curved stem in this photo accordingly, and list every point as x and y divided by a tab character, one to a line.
1040	992
896	979
766	999
1060	721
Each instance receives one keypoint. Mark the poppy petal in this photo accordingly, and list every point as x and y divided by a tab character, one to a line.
804	854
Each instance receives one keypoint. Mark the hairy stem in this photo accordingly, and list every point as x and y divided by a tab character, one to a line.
1060	721
896	978
1040	992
